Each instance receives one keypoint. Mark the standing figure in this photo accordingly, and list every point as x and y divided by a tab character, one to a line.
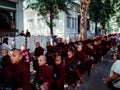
113	81
16	75
80	55
89	57
72	73
22	33
38	51
49	53
5	44
43	77
5	60
27	33
58	74
0	54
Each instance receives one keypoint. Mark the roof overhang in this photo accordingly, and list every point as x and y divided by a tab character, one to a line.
6	7
13	0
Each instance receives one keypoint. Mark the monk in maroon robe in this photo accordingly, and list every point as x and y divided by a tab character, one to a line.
5	61
72	74
38	51
43	77
17	75
80	55
58	74
90	57
49	53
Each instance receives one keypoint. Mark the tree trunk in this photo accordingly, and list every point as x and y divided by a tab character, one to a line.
84	4
51	24
95	28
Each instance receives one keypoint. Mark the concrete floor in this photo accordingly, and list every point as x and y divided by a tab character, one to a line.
95	80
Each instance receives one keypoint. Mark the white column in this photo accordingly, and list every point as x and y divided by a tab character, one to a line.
19	15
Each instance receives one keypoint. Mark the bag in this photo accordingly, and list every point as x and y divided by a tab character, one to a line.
112	86
116	81
35	86
74	65
55	76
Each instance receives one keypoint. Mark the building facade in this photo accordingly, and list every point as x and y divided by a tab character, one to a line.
11	16
66	25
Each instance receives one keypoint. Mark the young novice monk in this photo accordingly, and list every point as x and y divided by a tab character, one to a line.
18	74
58	74
5	60
72	74
43	78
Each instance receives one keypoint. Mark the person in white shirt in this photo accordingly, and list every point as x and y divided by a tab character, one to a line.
5	44
113	81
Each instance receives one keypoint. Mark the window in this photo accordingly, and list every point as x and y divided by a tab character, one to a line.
69	23
73	24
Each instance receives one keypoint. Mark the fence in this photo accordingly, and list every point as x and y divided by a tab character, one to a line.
30	41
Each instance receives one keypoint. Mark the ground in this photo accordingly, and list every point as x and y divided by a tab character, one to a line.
95	80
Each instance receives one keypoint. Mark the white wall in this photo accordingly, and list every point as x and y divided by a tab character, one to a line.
37	26
20	40
19	15
71	31
34	23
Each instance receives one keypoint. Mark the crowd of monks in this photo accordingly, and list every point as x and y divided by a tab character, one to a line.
69	61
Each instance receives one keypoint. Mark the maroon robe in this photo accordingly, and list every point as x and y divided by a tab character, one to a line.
38	51
50	55
81	56
71	76
58	77
89	58
98	53
18	76
43	75
5	61
64	50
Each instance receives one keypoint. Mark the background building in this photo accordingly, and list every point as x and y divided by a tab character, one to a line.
66	26
11	16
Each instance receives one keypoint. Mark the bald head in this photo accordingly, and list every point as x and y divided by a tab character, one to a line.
18	51
16	56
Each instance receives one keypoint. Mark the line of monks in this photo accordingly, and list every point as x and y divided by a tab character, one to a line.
62	63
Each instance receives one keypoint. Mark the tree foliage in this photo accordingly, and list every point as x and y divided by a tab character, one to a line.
102	10
49	9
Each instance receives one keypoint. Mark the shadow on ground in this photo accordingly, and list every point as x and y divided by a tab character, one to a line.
95	80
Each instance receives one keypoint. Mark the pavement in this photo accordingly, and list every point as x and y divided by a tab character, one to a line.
95	80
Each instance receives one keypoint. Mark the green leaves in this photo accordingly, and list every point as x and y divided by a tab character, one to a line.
49	9
102	10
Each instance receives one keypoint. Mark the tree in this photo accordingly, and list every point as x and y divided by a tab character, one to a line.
100	11
94	12
49	9
84	4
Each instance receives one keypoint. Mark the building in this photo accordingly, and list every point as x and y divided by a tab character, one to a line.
11	16
66	25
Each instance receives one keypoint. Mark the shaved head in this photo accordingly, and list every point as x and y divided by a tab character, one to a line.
16	56
18	51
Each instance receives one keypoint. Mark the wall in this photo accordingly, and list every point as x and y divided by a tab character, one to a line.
37	26
18	41
19	15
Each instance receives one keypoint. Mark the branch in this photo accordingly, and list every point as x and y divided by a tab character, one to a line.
87	3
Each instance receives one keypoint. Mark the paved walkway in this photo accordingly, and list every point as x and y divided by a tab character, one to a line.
95	80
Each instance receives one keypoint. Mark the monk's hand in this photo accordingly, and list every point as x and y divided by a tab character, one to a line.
79	63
